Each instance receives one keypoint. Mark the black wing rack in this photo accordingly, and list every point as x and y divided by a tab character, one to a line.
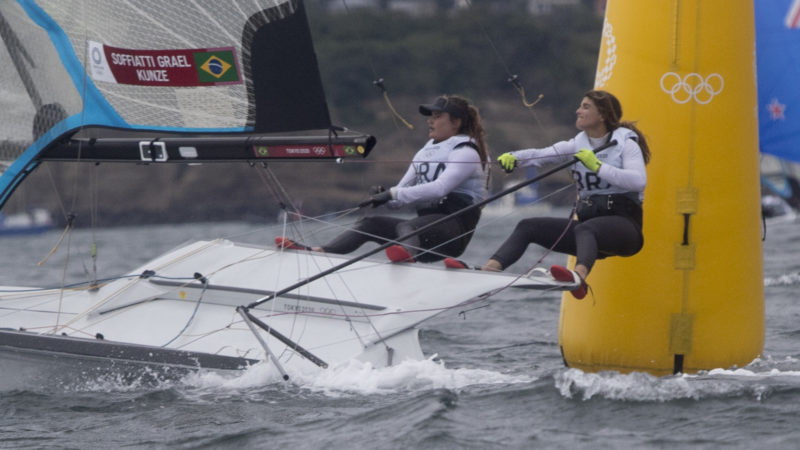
123	145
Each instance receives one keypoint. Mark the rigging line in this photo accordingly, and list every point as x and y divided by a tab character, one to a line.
486	296
67	230
77	286
93	190
379	84
403	161
328	224
481	297
70	216
111	313
97	304
203	280
512	78
268	183
563	232
351	261
463	314
274	187
378	81
83	110
244	314
63	282
56	191
14	294
423	250
131	283
410	161
433	249
491	42
338	302
360	38
478	298
361	232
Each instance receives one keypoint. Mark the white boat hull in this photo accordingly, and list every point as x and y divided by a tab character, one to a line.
180	310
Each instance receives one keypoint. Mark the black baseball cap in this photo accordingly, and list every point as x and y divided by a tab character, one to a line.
443	104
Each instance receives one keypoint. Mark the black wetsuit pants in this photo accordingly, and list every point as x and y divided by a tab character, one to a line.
589	240
449	238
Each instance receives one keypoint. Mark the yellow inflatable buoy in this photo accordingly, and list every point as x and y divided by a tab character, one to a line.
693	298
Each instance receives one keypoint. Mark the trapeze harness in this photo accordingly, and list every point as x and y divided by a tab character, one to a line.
606	200
455	201
588	239
451	237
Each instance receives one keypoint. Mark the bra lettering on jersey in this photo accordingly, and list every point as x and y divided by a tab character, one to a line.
431	161
424	168
591	181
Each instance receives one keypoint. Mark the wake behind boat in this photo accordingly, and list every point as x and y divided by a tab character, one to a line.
132	84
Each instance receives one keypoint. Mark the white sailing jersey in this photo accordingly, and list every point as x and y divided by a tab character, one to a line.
440	168
623	168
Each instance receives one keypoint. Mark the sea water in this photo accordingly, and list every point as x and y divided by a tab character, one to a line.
494	377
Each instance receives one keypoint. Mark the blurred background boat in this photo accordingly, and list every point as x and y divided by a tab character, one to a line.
34	221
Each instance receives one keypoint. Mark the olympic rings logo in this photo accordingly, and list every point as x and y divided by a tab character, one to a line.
610	44
692	87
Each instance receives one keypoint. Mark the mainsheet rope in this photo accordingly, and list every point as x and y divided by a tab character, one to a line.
420	249
378	81
512	78
70	216
303	218
273	184
483	297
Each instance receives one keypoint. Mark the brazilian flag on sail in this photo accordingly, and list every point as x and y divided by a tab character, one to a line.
216	66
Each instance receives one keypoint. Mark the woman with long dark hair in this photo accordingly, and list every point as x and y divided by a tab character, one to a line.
610	194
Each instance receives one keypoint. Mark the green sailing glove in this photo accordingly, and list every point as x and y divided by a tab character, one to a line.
507	161
589	159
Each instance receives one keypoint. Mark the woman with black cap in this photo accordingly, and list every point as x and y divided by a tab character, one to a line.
448	173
